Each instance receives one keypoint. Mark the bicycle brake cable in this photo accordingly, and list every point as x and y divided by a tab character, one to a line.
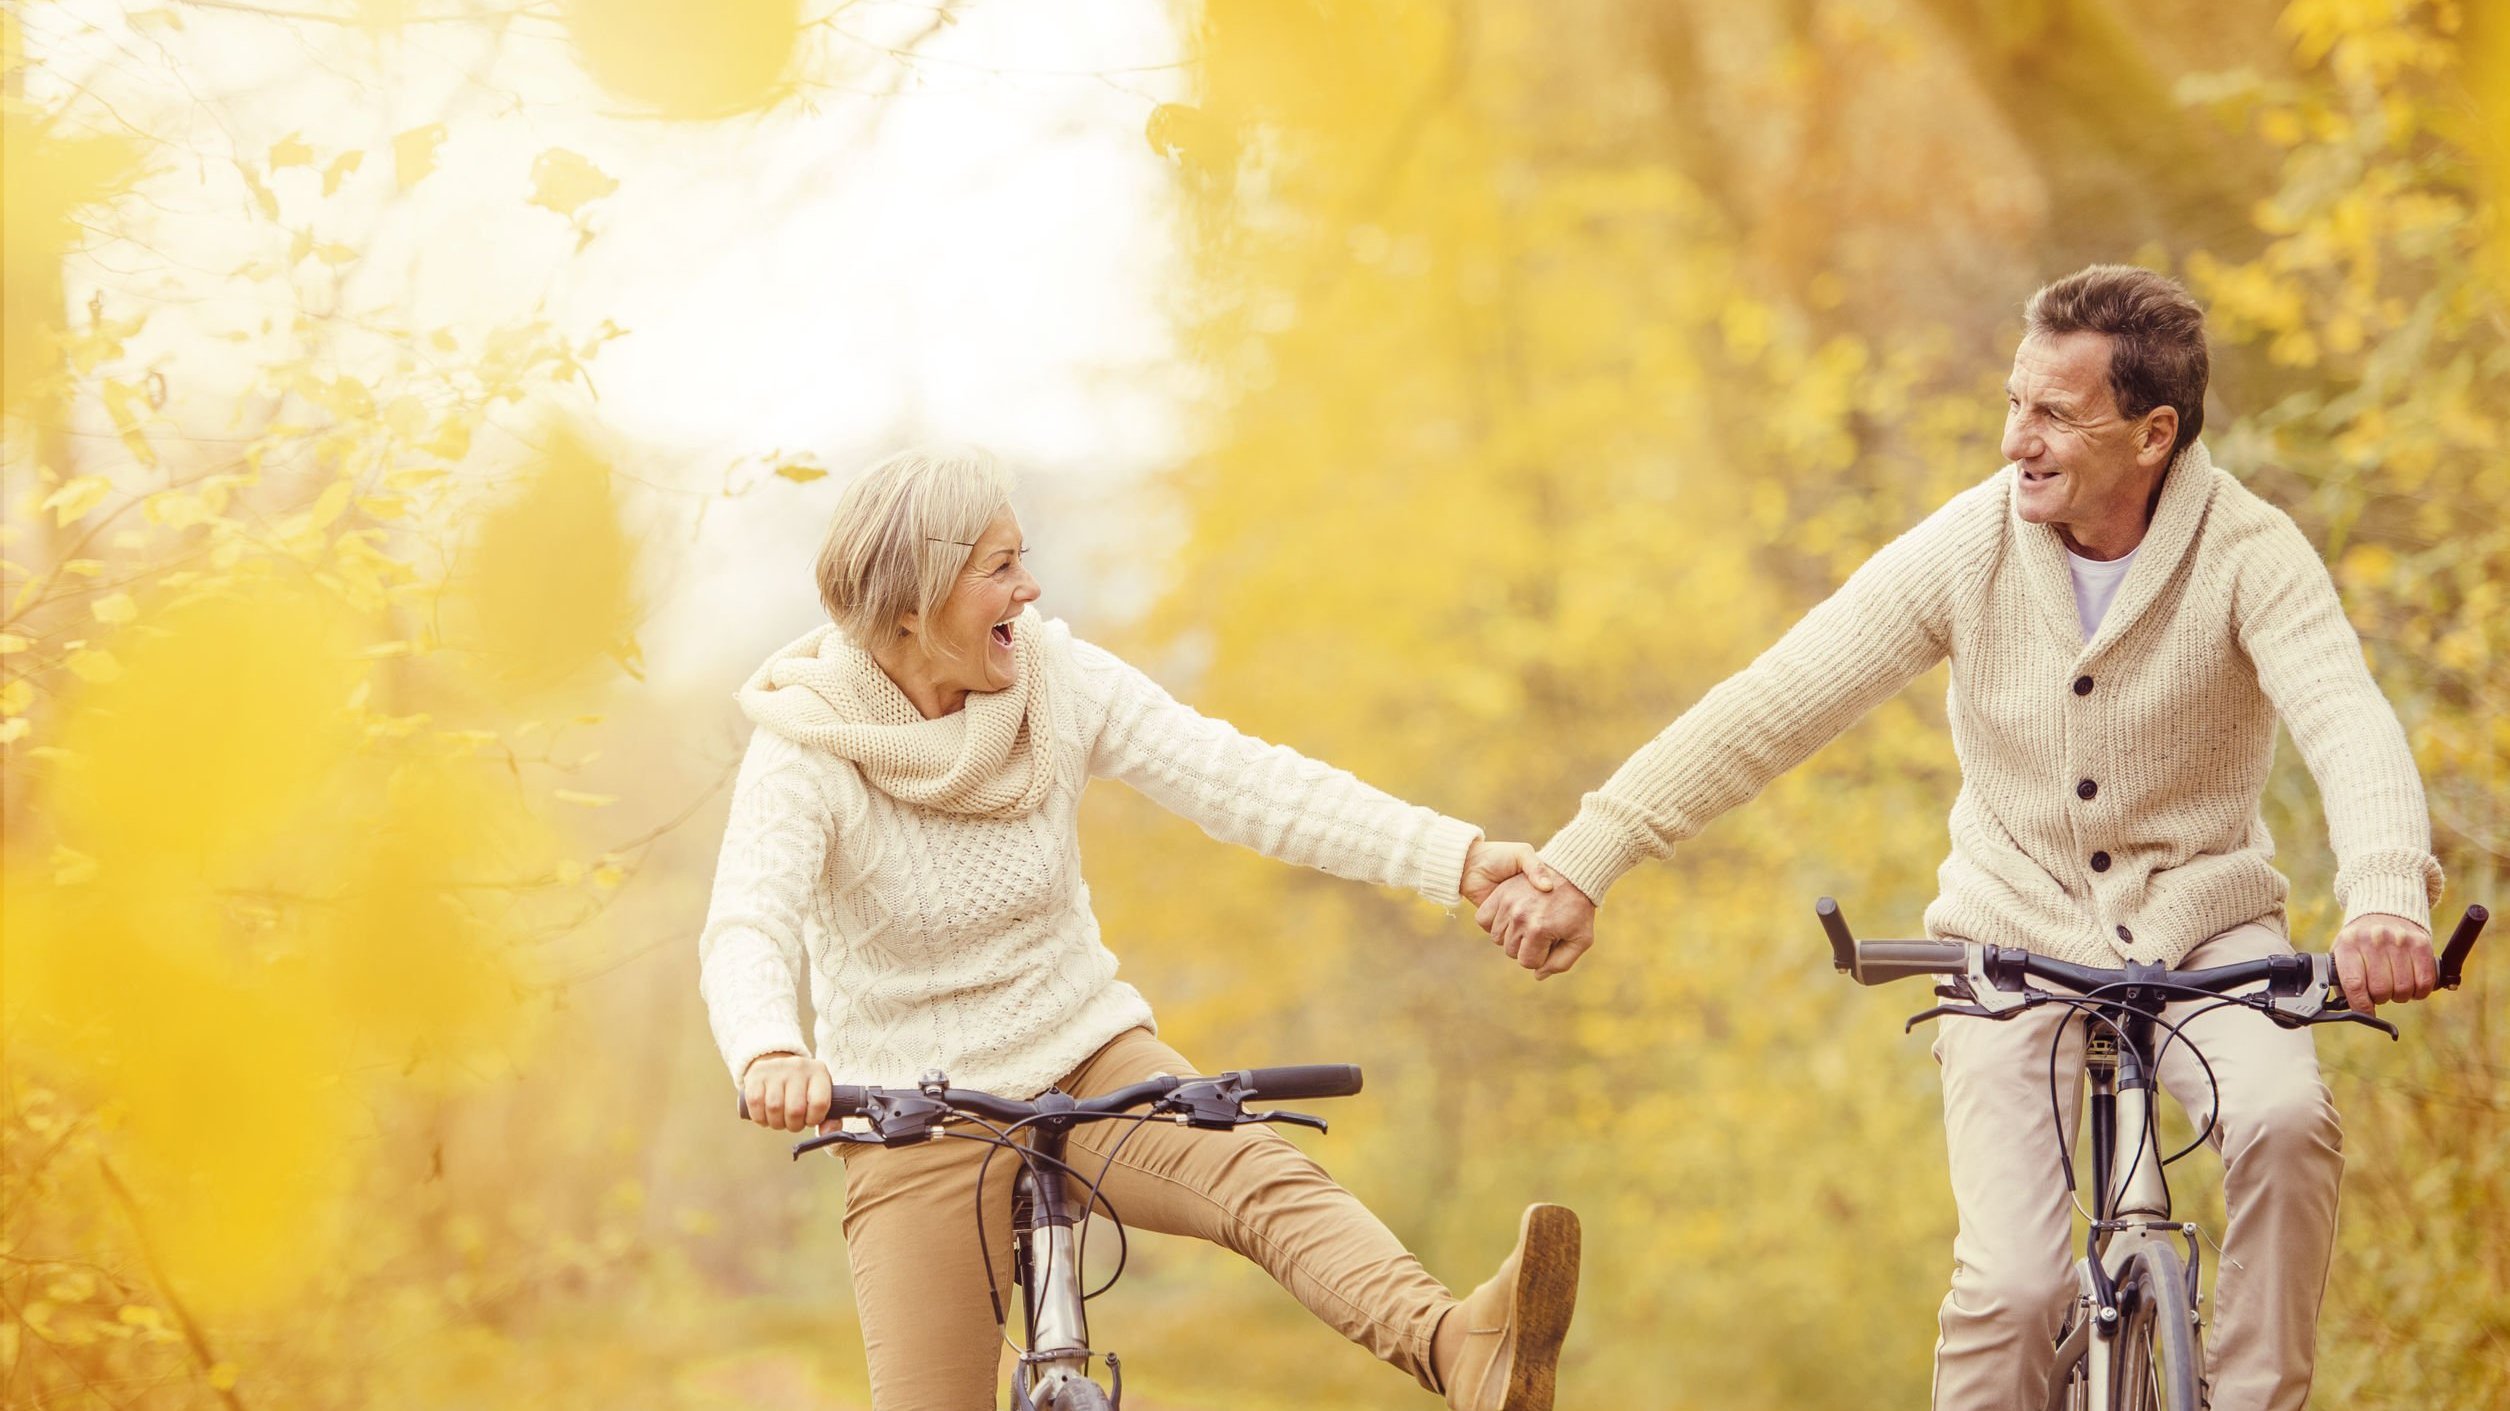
2175	1033
1031	1158
1124	1242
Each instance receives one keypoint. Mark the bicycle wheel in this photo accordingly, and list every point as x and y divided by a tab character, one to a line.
2156	1344
1078	1395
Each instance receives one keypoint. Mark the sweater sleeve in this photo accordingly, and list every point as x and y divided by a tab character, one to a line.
750	957
2309	663
1267	797
1890	621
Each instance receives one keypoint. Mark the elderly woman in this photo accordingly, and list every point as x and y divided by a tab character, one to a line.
905	834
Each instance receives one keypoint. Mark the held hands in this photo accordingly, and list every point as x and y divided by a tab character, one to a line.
786	1092
1545	922
1488	864
1543	928
2382	958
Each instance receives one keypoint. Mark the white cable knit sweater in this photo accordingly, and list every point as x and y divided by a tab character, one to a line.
2109	788
933	939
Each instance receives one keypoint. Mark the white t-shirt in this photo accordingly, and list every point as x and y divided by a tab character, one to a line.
2095	584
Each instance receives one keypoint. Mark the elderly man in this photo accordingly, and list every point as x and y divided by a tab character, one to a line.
2125	624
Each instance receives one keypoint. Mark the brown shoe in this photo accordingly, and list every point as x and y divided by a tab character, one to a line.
1513	1325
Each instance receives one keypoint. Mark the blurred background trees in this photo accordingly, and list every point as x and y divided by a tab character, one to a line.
1533	367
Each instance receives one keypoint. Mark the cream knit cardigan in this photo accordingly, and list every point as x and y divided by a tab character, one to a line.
2109	788
931	939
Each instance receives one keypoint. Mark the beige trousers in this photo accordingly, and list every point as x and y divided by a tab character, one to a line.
919	1273
2012	1260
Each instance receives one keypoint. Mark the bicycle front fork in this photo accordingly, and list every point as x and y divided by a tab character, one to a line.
1047	1267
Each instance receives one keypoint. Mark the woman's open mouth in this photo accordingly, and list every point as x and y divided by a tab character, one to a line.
1002	634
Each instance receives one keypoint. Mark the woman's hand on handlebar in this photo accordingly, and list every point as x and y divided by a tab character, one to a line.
786	1092
2383	959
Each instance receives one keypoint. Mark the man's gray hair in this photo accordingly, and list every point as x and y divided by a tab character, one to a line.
902	532
2157	355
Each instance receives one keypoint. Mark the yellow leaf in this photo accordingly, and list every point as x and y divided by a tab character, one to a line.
11	644
264	199
82	568
564	180
414	153
801	474
405	414
93	664
16	697
585	800
291	151
221	1377
688	61
608	876
115	607
142	1316
339	170
12	731
74	499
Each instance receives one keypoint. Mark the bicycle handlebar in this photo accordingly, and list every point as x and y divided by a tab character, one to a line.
2291	976
1302	1080
1215	1101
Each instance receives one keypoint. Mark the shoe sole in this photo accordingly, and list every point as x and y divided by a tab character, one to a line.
1546	1296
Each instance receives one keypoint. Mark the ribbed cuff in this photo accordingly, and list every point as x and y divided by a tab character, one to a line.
1592	854
2390	896
2394	882
757	1046
1443	852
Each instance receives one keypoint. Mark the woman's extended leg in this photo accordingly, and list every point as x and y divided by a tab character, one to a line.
1253	1192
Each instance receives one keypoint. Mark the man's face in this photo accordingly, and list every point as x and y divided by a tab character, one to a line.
2082	464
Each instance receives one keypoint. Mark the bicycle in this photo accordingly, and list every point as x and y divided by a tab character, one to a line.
2136	1299
1046	1252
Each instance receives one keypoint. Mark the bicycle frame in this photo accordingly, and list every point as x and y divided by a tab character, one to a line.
1046	1266
2131	1201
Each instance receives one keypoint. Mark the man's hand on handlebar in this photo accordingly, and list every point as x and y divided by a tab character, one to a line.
786	1092
2382	959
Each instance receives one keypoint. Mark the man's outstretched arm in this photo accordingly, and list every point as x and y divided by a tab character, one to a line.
1890	621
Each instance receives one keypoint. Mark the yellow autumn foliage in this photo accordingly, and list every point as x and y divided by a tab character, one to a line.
1544	361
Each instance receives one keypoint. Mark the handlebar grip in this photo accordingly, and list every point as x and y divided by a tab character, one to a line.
1878	962
2462	940
1300	1080
844	1100
1842	944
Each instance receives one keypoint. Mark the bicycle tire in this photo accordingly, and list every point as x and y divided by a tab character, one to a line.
2156	1345
1079	1395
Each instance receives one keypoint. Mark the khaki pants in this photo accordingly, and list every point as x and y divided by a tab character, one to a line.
919	1274
2012	1260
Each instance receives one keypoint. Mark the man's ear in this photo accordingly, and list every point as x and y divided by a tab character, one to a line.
2153	439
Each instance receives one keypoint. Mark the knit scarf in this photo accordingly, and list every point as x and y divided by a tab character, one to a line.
987	760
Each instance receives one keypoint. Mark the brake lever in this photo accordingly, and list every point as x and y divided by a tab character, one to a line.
837	1138
1939	1011
1295	1119
2355	1016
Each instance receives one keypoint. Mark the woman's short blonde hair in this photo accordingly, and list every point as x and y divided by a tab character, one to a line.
902	532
